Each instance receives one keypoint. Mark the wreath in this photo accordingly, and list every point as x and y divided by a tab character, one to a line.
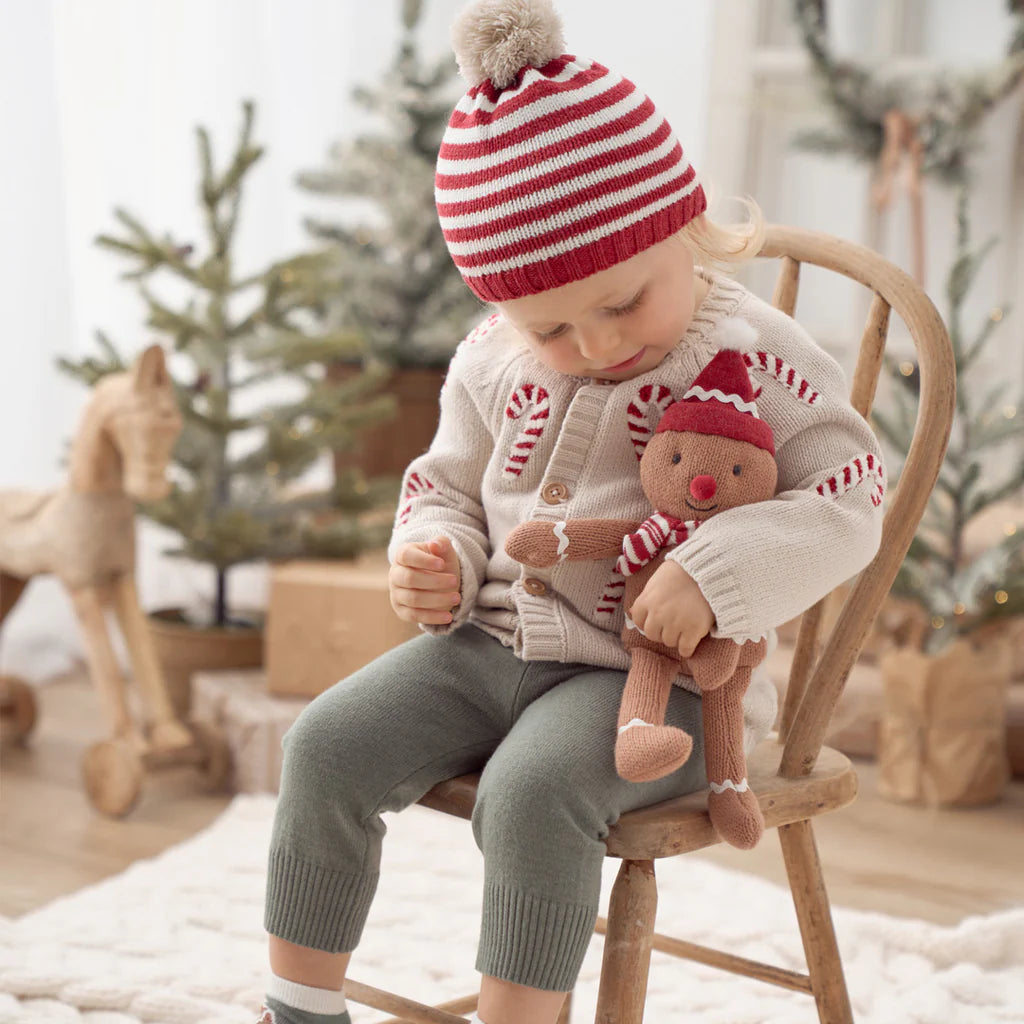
932	117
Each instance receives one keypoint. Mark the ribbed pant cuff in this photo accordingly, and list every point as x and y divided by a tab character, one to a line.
531	941
315	907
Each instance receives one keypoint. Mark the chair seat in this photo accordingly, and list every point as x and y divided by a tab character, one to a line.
680	825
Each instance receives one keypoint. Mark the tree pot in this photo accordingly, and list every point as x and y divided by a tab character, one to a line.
942	741
385	449
183	648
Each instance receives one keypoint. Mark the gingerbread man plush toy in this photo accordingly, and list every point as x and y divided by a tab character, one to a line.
710	453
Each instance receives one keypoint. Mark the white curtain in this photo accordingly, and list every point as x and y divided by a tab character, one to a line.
98	105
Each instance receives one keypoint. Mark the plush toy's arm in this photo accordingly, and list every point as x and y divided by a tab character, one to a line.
541	543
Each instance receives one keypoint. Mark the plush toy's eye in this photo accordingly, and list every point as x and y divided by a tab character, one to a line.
737	469
676	458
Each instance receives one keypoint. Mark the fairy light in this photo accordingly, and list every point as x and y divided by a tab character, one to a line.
959	608
1009	411
906	369
273	469
996	315
938	622
1010	529
1002	597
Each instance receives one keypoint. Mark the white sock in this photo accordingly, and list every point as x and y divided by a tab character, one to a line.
305	997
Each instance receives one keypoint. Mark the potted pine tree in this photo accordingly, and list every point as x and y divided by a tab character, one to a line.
396	285
239	468
943	729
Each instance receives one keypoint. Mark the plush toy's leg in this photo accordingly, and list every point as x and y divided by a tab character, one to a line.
731	803
646	748
713	663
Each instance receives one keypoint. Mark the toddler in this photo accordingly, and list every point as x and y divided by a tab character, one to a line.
567	202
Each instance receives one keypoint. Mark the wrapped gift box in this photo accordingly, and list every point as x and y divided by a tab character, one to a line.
854	726
943	736
326	620
253	722
1015	730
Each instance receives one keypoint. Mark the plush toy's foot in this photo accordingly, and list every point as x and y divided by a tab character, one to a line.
736	814
644	752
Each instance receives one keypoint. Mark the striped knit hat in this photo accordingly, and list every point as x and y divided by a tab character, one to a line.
552	167
721	400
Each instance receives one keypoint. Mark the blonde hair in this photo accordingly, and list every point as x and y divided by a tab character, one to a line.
723	247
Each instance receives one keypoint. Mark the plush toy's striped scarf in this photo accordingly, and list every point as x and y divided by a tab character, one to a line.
657	532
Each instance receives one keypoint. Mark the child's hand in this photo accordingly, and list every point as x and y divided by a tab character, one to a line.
671	610
424	582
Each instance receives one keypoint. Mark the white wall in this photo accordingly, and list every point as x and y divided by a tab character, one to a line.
98	103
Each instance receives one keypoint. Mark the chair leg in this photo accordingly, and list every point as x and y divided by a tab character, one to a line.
627	945
563	1017
812	910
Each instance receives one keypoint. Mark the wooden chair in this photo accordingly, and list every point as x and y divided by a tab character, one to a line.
795	777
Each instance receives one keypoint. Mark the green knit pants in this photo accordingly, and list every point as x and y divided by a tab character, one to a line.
436	707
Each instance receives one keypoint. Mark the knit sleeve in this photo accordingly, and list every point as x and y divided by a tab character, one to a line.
761	565
441	490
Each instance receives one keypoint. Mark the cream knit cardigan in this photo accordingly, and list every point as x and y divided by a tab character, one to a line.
518	441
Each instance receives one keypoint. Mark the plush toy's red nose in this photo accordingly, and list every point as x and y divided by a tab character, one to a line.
703	487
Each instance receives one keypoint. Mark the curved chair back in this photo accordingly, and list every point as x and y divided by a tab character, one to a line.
816	683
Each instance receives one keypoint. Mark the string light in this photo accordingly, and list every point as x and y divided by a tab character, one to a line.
996	315
273	469
906	369
959	608
1002	597
938	622
1010	529
1009	411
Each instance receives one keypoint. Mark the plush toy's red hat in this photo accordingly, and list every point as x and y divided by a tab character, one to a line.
721	400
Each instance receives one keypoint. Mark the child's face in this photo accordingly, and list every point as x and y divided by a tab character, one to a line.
615	324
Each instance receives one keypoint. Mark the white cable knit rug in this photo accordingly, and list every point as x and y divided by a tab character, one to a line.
179	939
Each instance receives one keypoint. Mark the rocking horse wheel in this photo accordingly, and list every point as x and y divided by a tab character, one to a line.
17	708
112	773
216	762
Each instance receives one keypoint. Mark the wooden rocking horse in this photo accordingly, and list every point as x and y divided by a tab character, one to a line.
84	534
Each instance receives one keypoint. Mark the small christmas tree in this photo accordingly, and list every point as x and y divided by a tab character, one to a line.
237	494
396	283
959	593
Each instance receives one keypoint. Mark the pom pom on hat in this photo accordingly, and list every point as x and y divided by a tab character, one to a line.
495	39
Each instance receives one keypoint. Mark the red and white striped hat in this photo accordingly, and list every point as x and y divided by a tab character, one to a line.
552	167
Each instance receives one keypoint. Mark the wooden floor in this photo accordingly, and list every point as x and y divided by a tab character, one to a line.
937	865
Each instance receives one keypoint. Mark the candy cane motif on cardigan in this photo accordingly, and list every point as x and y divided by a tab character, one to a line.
856	470
639	409
415	488
785	374
534	398
482	329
